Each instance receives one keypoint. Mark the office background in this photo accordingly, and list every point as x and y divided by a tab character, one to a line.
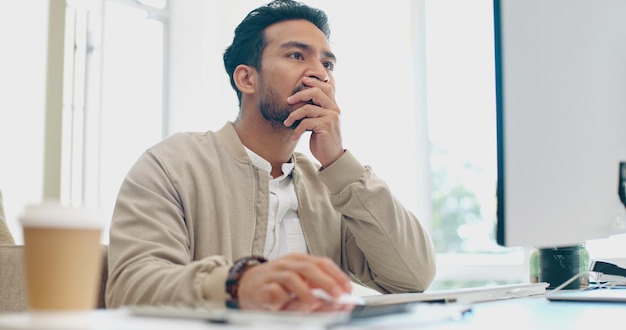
415	84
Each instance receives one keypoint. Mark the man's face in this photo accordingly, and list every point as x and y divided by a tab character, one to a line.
294	49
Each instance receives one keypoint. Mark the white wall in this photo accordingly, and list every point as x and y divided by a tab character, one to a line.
23	33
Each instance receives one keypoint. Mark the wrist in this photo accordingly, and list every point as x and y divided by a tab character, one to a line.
234	276
330	161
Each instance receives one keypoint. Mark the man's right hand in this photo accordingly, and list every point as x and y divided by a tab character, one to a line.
286	284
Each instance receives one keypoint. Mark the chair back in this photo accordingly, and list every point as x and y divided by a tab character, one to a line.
12	278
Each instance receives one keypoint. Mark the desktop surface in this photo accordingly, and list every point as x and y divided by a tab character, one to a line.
535	312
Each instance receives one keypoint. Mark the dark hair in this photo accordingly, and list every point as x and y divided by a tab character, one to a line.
249	40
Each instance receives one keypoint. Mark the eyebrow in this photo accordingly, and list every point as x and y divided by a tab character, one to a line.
303	46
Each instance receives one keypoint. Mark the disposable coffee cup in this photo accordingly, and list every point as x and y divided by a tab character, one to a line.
62	256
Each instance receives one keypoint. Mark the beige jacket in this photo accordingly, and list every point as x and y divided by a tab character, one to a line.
194	203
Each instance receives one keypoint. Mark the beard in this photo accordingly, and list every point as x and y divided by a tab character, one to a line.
275	110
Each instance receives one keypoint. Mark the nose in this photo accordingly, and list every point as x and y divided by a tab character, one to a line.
318	71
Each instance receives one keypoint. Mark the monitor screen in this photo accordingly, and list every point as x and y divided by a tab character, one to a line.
561	117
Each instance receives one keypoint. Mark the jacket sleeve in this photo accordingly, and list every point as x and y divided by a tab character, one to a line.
385	246
150	259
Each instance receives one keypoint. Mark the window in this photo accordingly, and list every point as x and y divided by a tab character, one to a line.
115	95
461	122
462	133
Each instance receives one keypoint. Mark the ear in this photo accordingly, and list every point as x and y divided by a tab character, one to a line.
245	78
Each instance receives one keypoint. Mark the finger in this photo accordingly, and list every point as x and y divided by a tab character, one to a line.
262	288
264	295
313	96
274	297
303	306
291	273
313	119
306	111
339	276
316	92
326	87
320	272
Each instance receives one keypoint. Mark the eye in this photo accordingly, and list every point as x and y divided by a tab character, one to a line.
296	56
329	65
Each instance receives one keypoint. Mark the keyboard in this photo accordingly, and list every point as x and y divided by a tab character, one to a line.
464	296
591	295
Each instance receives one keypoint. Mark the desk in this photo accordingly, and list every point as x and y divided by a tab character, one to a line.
519	313
538	313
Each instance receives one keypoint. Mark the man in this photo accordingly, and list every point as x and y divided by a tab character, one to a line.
199	214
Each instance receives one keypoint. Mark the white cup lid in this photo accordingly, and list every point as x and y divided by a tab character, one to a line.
52	214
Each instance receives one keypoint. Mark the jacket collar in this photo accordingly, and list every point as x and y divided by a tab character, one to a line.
231	142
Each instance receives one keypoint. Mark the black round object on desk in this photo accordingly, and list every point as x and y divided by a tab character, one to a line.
559	264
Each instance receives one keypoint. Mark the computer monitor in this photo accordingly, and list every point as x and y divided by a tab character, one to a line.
561	120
